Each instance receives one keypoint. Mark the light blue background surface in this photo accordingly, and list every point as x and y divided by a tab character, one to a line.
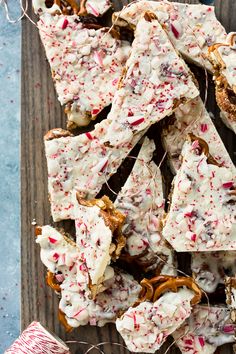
9	177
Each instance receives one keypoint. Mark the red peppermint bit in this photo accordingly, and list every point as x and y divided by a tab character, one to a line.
115	82
227	185
195	144
137	122
93	10
56	256
130	114
104	166
189	214
188	341
201	341
98	58
65	24
52	240
228	328
59	277
204	128
193	237
82	267
174	30
94	112
148	191
77	313
71	267
89	136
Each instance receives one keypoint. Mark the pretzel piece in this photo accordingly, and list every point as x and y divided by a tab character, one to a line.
153	288
62	319
174	283
52	282
204	149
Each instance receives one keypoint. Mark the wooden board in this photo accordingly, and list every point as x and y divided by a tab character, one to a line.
40	112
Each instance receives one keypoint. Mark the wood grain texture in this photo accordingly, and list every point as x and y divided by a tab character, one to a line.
40	112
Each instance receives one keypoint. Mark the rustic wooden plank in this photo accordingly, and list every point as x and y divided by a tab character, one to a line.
41	112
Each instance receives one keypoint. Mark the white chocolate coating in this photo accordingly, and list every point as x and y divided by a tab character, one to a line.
205	330
87	161
93	7
193	118
226	55
94	240
66	261
97	7
191	28
210	268
202	212
145	328
141	201
82	58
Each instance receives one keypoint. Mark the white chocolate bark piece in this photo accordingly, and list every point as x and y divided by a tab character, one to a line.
192	28
141	201
98	235
94	238
156	82
93	7
81	59
97	7
64	259
193	117
121	292
210	268
145	328
202	211
85	162
82	163
206	329
230	289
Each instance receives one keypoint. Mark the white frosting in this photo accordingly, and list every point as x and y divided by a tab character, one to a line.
145	328
94	7
87	161
193	117
79	58
94	240
192	28
210	268
141	201
205	330
202	216
65	260
97	7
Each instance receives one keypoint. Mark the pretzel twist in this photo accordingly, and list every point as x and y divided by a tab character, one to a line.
204	149
153	288
73	4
